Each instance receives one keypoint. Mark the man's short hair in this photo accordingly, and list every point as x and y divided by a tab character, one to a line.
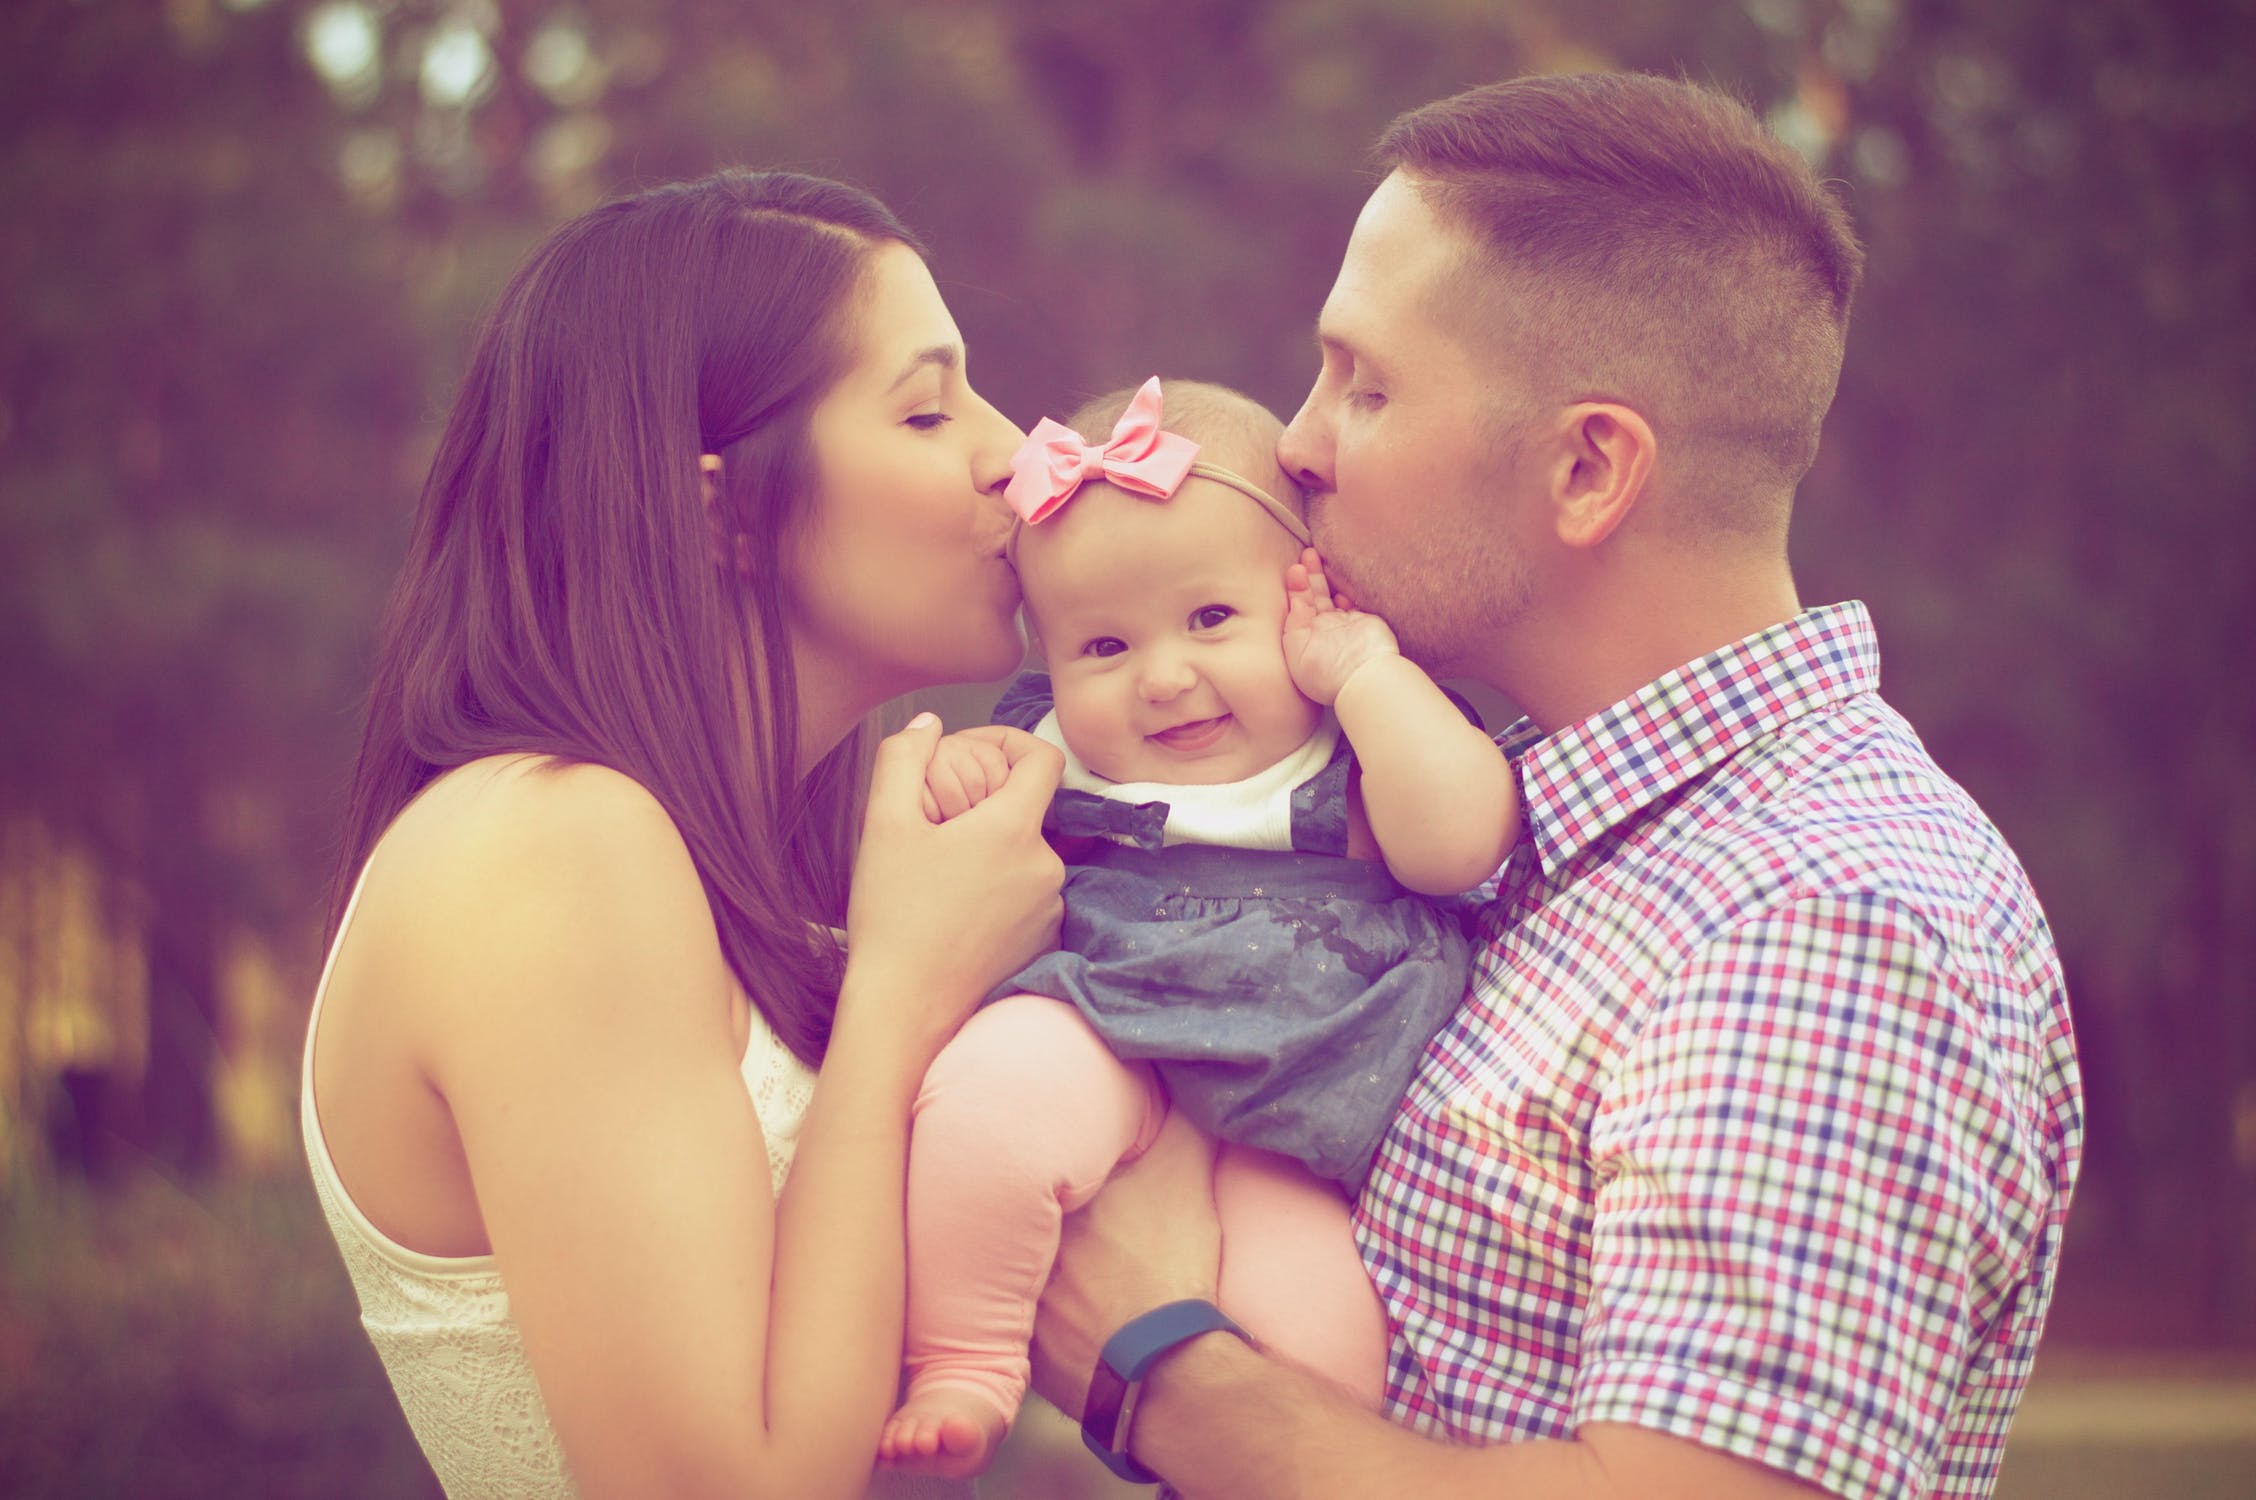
1648	241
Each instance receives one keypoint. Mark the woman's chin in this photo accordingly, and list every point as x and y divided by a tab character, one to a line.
999	657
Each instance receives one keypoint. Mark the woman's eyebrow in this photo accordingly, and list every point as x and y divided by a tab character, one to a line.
946	356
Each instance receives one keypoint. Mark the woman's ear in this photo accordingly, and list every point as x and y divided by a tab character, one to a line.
1605	461
731	549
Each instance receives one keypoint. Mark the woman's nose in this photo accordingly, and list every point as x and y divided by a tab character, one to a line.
998	442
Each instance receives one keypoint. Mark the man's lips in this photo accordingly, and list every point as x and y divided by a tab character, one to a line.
1198	734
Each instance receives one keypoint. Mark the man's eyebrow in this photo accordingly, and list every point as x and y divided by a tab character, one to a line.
1335	344
946	356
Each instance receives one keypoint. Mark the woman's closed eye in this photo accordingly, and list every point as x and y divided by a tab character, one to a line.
1210	616
930	421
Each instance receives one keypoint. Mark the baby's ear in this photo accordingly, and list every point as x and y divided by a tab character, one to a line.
1033	637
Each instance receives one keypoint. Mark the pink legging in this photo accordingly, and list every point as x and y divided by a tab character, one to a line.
1022	1118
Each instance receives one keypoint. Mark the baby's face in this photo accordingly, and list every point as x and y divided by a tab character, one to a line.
1162	621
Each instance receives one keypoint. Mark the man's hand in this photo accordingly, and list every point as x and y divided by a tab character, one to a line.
969	766
1149	1238
1326	636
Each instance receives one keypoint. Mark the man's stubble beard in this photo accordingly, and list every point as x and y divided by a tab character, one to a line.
1446	605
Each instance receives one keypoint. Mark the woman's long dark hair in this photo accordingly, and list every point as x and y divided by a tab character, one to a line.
562	594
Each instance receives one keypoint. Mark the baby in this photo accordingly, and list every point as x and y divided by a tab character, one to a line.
1258	787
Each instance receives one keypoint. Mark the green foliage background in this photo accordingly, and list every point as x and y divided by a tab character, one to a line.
235	293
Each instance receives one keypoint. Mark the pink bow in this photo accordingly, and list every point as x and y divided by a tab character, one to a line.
1054	461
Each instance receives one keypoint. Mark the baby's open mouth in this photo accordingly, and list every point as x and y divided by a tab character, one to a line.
1196	735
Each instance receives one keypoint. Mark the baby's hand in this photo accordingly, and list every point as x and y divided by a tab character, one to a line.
1326	636
969	766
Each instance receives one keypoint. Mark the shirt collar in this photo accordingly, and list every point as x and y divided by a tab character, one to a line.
1594	775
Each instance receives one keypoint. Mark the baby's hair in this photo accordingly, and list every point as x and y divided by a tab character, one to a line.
1212	416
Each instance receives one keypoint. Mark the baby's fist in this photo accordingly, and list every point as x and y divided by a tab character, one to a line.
967	768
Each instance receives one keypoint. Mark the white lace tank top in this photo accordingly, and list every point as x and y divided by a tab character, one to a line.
442	1326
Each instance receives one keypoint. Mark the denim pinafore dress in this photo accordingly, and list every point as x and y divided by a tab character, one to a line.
1284	996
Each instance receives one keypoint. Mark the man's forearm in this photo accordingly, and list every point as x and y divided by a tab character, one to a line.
1219	1419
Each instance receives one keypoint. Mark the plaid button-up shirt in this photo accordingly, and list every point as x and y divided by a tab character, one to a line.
1759	1122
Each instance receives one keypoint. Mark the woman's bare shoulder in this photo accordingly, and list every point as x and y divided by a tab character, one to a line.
524	856
531	818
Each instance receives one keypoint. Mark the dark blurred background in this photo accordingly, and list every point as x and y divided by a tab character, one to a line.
243	244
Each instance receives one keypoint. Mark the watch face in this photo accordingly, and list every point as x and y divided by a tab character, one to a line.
1104	1423
1110	1407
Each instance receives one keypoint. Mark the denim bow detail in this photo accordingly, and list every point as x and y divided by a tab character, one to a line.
1085	815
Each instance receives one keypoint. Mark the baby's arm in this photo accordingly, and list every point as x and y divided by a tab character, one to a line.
1441	798
969	766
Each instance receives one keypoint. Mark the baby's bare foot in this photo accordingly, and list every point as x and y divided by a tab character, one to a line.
941	1431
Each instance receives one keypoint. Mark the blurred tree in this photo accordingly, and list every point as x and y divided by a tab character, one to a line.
248	239
205	396
2040	468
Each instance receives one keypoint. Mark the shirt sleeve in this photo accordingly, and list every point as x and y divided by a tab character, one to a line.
1812	1198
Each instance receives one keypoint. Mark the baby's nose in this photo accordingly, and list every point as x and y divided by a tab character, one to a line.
1164	679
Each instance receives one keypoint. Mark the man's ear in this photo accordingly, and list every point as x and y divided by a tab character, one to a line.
709	479
1599	471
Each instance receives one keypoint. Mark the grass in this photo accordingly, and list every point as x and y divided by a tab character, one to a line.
158	1341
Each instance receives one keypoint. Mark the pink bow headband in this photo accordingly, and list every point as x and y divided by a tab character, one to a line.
1139	457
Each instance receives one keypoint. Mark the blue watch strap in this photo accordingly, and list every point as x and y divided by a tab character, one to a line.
1121	1366
1143	1340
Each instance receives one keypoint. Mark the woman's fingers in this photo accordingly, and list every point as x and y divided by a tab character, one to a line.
897	771
961	905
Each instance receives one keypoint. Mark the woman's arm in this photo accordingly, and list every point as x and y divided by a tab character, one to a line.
1441	799
583	1030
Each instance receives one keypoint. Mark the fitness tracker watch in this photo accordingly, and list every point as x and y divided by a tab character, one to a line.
1118	1378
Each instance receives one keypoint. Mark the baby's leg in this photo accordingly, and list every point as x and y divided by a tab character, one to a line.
1291	1274
1021	1119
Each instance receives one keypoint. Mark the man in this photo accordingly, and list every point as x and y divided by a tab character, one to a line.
1743	1169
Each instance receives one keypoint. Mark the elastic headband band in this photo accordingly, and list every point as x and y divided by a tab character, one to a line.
1278	510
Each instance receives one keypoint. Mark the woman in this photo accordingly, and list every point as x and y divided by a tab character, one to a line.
715	487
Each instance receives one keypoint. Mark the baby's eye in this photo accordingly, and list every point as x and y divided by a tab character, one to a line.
1105	645
1210	616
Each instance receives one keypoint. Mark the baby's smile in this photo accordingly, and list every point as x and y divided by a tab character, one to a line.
1198	734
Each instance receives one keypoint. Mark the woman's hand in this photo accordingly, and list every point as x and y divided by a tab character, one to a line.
940	913
1149	1238
1326	636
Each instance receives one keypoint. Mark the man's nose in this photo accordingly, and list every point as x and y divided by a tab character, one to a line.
1305	449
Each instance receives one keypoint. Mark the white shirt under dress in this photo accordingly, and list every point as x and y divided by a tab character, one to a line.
442	1325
